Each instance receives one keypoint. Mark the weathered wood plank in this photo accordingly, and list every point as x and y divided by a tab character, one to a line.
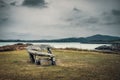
36	50
38	53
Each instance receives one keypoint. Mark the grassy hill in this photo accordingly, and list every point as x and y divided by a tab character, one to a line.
71	65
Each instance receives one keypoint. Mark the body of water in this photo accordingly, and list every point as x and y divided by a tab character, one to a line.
62	45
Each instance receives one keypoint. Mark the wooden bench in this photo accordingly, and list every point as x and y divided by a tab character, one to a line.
36	50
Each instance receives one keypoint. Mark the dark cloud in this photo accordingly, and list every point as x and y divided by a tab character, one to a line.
13	3
1	1
79	18
4	12
2	4
107	18
76	9
111	18
75	16
116	12
3	20
104	21
34	3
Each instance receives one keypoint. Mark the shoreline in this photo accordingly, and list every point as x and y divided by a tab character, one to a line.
62	45
22	46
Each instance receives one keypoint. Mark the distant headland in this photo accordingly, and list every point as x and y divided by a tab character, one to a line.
98	38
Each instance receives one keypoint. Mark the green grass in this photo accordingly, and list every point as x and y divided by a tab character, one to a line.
71	65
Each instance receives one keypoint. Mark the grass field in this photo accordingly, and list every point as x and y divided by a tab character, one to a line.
71	65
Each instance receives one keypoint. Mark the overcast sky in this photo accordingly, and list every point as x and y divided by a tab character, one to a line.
52	19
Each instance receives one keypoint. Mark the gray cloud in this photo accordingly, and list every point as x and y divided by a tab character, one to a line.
2	4
62	18
34	3
111	18
91	20
13	3
79	18
4	12
3	20
14	35
76	9
116	12
74	17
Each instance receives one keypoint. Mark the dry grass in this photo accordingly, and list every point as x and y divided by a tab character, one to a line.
71	65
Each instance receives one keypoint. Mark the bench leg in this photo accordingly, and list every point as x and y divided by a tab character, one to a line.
53	61
37	62
32	59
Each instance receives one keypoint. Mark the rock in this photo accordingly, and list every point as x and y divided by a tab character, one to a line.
104	47
18	46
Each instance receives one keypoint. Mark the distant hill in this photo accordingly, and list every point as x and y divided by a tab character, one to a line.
91	39
102	37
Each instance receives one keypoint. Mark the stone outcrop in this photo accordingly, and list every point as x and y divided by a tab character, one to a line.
18	46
